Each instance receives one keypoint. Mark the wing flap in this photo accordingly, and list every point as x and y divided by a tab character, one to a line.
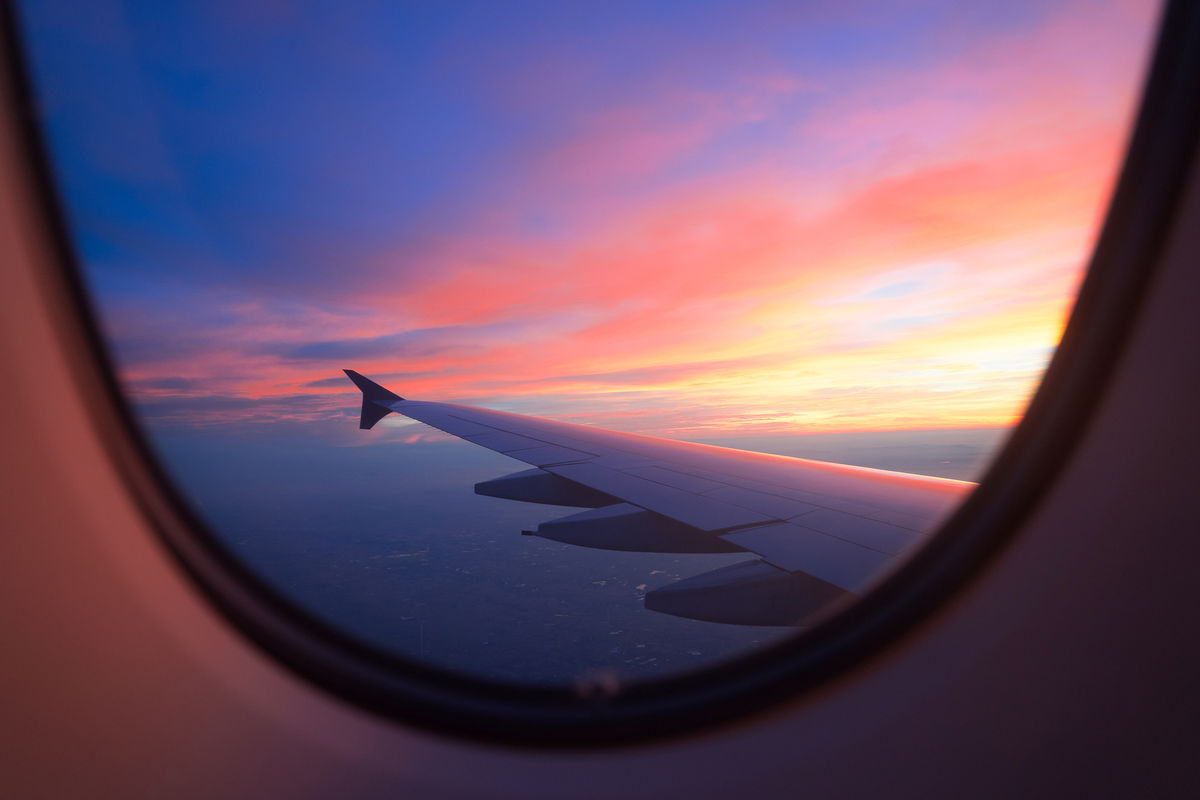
431	414
795	548
548	455
502	441
670	477
772	504
702	513
863	531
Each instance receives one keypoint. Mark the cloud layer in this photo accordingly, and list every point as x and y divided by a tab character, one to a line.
751	222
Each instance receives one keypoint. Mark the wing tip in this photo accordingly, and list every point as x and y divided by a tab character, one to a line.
371	389
376	400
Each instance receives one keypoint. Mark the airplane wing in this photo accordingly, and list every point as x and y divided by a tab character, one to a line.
823	532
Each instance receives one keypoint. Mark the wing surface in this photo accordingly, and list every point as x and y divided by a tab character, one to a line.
822	531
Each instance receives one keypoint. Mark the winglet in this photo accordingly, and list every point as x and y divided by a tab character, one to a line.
376	399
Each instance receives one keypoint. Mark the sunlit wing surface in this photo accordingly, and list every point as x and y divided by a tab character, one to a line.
823	532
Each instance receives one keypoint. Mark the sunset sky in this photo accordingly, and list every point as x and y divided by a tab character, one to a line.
685	219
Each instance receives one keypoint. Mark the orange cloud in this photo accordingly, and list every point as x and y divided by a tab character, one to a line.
915	274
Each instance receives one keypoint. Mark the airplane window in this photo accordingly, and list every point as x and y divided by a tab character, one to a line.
387	287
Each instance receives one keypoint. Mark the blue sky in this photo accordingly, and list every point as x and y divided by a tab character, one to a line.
480	198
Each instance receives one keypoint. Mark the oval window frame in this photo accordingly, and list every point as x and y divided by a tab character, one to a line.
1161	150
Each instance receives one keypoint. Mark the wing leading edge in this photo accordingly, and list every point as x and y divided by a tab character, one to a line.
823	532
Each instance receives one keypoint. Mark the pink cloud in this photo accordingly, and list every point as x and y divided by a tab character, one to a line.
744	299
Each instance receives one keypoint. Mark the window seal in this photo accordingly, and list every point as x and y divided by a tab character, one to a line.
1140	216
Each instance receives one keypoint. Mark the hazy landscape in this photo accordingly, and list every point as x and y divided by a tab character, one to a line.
389	542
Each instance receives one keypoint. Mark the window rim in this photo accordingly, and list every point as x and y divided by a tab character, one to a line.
1161	151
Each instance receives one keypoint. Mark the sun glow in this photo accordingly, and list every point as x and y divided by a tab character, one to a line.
768	239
